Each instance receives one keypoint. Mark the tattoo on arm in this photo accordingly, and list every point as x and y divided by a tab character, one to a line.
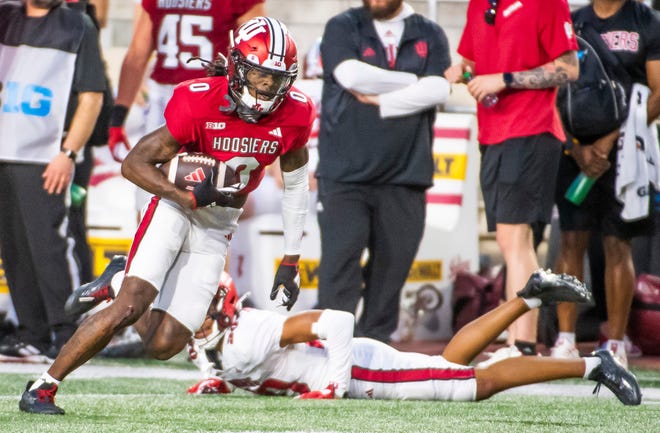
551	74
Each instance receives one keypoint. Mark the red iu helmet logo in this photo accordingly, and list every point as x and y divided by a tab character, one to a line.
422	49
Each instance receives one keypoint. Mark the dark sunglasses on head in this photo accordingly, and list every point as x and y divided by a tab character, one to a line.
489	15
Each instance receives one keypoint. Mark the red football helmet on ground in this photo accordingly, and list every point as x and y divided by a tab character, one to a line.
262	66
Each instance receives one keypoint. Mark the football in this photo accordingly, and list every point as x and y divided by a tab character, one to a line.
187	170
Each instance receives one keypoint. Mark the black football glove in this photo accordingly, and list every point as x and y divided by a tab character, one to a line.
288	277
206	194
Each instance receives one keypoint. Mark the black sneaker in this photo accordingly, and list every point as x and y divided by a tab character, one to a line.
14	350
551	288
616	378
40	400
89	295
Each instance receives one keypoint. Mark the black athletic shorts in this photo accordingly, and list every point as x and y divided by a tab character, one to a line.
518	179
600	210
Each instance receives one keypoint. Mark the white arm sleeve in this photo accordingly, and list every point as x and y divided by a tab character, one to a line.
364	78
422	95
336	329
294	208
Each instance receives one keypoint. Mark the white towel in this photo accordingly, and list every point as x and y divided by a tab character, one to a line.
638	158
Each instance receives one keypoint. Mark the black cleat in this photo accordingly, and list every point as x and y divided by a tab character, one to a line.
89	295
551	288
616	378
40	400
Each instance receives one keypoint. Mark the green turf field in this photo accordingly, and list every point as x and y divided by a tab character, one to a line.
161	405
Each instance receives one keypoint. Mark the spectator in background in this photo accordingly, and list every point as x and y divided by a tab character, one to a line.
601	209
382	84
176	33
520	54
41	139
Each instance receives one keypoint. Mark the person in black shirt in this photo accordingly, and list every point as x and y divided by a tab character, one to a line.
383	67
631	32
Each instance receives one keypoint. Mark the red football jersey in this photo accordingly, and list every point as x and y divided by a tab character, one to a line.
194	118
182	29
526	35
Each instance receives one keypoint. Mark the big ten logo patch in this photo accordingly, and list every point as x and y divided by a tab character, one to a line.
103	250
308	271
449	166
425	270
26	98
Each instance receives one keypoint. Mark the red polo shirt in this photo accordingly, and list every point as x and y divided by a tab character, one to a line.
526	34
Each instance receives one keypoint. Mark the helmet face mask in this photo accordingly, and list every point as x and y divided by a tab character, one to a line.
221	315
263	65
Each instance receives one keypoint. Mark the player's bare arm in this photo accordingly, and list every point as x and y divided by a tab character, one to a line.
653	103
135	62
298	328
563	69
293	160
140	166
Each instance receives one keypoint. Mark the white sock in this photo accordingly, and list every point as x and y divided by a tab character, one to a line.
45	378
567	336
116	281
532	302
590	363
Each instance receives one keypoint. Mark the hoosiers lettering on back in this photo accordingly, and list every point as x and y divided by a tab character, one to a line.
198	5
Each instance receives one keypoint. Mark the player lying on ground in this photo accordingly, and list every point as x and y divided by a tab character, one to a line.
270	354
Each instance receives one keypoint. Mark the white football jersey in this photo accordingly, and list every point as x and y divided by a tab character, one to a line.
252	358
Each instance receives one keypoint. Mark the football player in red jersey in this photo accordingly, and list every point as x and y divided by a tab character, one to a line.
247	119
176	31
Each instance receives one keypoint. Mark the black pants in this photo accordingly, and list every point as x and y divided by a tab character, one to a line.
78	218
37	255
387	221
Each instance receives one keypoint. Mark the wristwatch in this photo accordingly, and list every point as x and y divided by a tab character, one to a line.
69	153
508	79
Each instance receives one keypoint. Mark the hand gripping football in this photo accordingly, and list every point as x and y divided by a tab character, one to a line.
186	170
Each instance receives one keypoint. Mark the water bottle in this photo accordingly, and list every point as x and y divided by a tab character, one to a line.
78	194
579	189
488	100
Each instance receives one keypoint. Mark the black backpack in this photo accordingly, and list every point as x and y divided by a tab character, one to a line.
595	104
